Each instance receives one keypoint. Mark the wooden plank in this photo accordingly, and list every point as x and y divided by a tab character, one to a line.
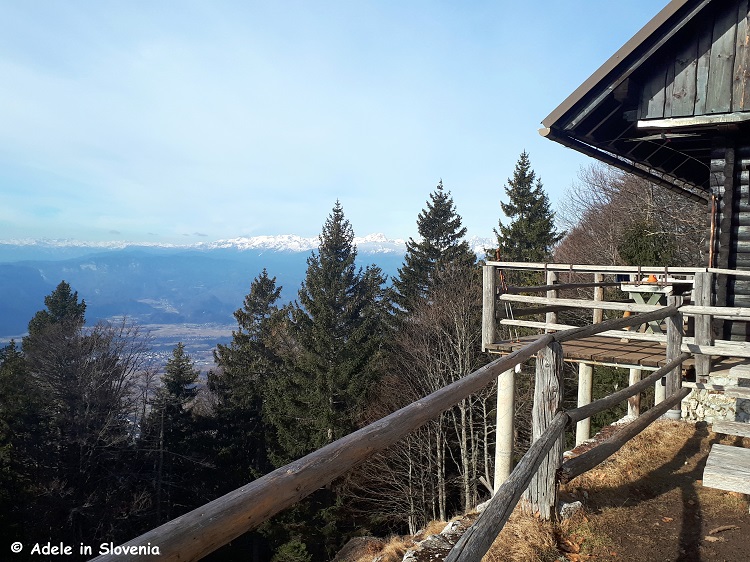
722	61
684	88
733	349
728	468
589	268
652	96
577	303
615	334
701	77
732	428
735	312
669	90
740	87
741	392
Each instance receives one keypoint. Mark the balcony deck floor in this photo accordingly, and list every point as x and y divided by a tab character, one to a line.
603	350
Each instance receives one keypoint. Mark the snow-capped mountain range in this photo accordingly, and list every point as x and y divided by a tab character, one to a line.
371	244
176	289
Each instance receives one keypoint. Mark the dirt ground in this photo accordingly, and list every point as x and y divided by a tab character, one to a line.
648	503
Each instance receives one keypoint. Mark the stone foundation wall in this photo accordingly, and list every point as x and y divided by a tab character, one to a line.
711	406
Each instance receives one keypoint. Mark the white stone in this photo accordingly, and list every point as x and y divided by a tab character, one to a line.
568	510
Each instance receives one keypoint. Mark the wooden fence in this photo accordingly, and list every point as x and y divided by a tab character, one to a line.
203	530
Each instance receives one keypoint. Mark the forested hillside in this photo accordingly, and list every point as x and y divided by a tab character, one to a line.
96	447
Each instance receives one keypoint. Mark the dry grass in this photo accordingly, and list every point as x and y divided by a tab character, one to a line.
395	548
392	551
647	486
432	528
639	458
524	539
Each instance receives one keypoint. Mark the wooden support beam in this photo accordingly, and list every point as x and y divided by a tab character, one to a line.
504	435
598	315
674	346
585	387
489	292
634	402
703	324
551	317
548	394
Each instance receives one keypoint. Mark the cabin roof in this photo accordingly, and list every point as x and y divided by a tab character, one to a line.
656	107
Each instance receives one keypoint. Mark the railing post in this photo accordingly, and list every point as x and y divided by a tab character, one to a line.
541	494
634	402
586	371
504	436
585	385
551	317
598	296
489	290
673	381
703	324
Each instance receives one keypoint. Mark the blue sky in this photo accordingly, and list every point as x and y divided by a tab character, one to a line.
167	121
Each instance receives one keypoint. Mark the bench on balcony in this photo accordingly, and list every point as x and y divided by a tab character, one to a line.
728	468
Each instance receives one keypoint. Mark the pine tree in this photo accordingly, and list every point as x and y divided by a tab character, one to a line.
440	243
530	235
336	330
169	435
239	384
337	326
62	308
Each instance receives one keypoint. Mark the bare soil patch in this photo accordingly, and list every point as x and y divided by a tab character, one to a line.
646	503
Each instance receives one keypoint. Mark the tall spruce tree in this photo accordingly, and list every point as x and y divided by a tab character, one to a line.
440	243
238	385
169	436
337	327
530	235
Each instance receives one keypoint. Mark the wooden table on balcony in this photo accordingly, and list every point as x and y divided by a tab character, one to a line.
655	293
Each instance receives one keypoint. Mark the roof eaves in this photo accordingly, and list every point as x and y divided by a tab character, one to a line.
605	72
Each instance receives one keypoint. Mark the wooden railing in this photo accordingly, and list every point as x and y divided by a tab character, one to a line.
203	530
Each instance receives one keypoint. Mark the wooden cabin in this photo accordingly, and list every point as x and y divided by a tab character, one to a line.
673	106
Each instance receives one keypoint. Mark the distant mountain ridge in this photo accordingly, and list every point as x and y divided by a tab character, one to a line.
166	284
376	243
